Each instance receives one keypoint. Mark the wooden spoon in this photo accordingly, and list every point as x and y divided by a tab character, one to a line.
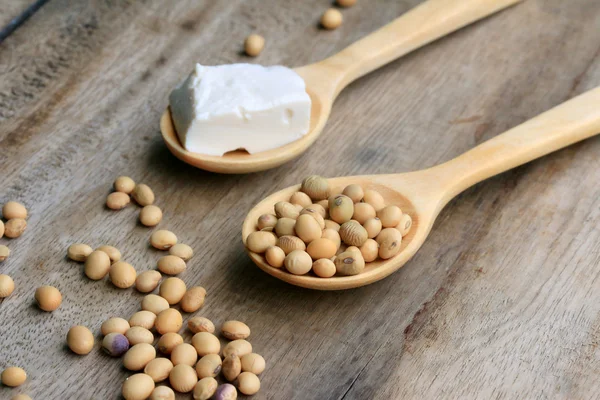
429	21
424	193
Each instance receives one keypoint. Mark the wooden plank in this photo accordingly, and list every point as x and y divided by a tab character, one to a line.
499	301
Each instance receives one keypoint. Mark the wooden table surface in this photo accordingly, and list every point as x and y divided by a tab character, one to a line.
500	302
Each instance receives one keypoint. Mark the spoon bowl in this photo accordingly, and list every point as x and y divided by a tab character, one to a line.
324	80
423	194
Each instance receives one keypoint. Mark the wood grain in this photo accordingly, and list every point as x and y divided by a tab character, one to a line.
498	303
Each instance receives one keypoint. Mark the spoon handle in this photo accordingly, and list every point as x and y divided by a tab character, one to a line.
568	123
423	24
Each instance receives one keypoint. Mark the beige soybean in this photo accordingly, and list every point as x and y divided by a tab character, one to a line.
248	383
373	227
266	221
332	235
162	393
321	248
113	253
172	289
122	275
21	397
168	342
355	192
284	209
253	362
163	239
307	228
285	227
158	369
349	263
206	343
183	378
138	334
373	198
301	199
316	187
324	268
137	387
80	340
234	330
389	241
405	224
48	298
209	366
12	210
240	347
201	324
352	233
1	229
117	200
7	286
97	265
390	216
143	195
298	262
260	241
138	356
205	388
182	251
290	243
369	250
168	321
193	299
275	256
345	3
232	367
184	353
115	325
13	376
321	207
331	19
171	265
315	214
254	45
147	281
79	252
150	215
154	303
329	224
341	208
4	252
124	184
14	227
363	212
145	319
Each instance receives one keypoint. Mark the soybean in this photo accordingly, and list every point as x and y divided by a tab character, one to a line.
4	252
354	191
122	274
321	248
209	366
13	376
363	212
341	208
324	268
184	353
115	344
331	19
234	330
168	321
353	234
97	265
290	243
7	286
266	221
275	256
205	388
183	378
154	303
248	383
390	216
168	342
373	227
145	319
163	239
162	393
349	263
117	200
48	298
79	252
113	253
405	224
206	343
80	340
116	325
201	324
232	367
260	241
147	281
369	250
172	289
150	215
139	356
193	299
171	265
12	210
285	227
225	391
158	369
254	45
240	347
182	251
253	362
143	195
375	199
316	187
15	227
389	241
124	184
139	334
298	262
137	387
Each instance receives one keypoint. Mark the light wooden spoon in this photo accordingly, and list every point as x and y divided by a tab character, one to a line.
424	193
429	21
